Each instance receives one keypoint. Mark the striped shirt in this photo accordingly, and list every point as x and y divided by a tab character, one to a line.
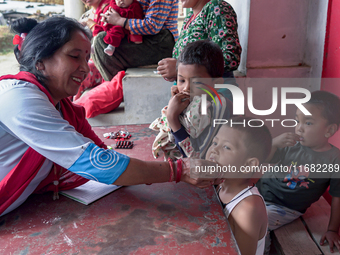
159	14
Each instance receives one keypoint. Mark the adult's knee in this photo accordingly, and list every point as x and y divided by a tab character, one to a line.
98	41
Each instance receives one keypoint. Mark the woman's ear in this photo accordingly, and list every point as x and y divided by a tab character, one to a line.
40	66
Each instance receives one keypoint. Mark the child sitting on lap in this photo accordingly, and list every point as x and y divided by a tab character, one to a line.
288	195
183	129
114	34
242	148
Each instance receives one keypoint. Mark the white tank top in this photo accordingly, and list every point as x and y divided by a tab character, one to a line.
251	190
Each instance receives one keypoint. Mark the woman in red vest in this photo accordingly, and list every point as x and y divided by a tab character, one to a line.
46	142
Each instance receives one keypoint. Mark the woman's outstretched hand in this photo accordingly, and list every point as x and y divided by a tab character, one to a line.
191	175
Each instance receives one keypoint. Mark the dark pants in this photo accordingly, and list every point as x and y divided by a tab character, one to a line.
128	54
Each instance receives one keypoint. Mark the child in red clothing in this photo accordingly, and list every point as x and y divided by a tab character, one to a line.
114	34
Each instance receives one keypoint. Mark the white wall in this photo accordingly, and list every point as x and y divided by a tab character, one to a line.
73	8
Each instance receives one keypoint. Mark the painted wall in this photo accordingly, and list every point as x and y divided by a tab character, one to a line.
286	38
277	32
331	64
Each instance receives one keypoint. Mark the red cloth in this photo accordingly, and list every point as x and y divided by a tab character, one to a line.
327	196
116	33
103	98
102	7
16	181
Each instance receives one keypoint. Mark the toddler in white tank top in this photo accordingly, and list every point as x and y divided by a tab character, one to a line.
240	150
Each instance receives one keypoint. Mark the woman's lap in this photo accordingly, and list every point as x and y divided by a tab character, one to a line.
153	49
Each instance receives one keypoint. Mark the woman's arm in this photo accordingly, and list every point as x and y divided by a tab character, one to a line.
157	12
36	123
140	172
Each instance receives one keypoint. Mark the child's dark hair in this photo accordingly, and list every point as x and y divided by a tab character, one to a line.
43	40
205	53
329	104
258	139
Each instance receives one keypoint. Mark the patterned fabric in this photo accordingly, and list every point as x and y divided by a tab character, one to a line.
278	216
217	22
193	122
196	133
100	165
164	141
159	14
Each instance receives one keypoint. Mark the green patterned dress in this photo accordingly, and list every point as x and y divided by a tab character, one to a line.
217	22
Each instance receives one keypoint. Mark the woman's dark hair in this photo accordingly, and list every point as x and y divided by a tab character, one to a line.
205	53
43	40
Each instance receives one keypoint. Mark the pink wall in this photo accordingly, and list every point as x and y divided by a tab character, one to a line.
331	63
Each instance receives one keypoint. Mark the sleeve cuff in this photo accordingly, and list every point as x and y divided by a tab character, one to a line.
100	165
180	135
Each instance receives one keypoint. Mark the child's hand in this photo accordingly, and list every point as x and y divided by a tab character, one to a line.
112	17
167	68
174	90
286	140
176	106
332	238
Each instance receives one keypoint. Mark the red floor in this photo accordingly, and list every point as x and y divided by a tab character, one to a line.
144	219
141	136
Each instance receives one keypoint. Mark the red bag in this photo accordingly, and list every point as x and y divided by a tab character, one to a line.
103	98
